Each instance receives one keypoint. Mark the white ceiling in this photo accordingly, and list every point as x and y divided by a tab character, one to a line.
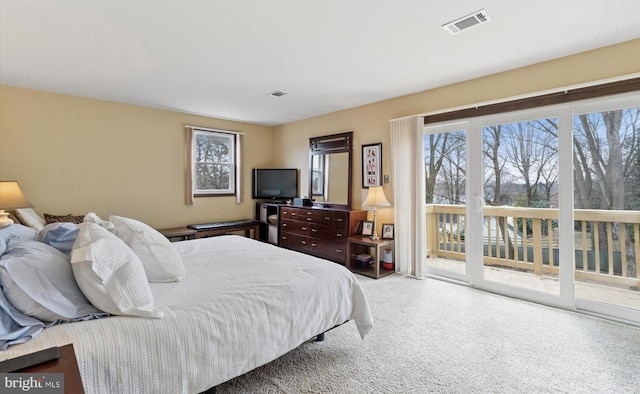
220	58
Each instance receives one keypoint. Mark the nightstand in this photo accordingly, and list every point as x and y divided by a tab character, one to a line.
358	245
65	364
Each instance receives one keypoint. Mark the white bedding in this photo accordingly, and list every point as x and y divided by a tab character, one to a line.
242	304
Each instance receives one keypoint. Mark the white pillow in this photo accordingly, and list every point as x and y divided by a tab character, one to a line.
161	261
29	217
110	274
94	218
37	280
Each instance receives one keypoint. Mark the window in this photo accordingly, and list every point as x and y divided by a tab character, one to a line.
318	174
214	163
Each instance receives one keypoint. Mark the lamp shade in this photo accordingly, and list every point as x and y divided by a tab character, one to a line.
376	198
11	196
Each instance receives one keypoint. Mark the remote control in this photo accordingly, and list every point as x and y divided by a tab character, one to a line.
29	360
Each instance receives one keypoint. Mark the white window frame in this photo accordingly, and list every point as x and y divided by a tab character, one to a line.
232	137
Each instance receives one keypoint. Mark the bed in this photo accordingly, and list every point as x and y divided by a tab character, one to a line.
240	304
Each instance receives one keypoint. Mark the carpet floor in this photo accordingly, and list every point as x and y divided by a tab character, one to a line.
432	336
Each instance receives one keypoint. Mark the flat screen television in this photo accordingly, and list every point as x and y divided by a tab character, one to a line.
278	184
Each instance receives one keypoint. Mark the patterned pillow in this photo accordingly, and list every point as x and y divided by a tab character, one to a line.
63	218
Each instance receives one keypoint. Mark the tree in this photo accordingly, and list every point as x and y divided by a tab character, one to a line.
445	161
533	152
211	155
453	171
605	145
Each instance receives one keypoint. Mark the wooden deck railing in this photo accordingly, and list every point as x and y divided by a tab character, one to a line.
607	243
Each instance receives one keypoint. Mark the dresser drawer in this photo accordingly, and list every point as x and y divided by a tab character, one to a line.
294	241
328	233
330	250
288	213
295	226
330	218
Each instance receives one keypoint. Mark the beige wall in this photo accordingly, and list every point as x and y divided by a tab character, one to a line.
74	155
370	123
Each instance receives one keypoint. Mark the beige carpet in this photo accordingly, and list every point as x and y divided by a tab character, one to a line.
432	336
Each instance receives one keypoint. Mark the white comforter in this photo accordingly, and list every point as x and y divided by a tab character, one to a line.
242	304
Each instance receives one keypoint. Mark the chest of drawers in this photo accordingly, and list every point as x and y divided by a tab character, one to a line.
319	231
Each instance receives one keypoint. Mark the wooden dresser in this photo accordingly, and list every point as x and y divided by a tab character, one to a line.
322	232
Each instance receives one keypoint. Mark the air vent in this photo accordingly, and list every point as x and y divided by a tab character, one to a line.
466	22
277	93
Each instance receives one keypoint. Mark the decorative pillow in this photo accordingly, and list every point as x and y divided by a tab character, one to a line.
94	218
59	235
63	218
12	216
161	261
37	280
29	217
18	231
110	274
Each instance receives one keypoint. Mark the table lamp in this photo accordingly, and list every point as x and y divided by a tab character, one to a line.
375	198
11	197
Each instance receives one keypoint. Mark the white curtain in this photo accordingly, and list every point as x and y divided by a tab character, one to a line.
407	157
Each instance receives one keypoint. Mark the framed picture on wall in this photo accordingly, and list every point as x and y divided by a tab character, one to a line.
371	165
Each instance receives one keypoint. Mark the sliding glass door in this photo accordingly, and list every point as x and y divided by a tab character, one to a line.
445	166
520	229
542	204
607	207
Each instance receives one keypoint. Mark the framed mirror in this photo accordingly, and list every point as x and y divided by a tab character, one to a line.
330	170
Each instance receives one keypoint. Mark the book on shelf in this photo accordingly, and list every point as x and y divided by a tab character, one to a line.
363	257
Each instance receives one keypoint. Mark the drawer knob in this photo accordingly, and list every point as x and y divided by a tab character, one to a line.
303	242
339	235
309	219
304	228
314	230
338	250
314	245
339	219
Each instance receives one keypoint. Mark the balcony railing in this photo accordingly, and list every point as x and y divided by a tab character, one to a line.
607	243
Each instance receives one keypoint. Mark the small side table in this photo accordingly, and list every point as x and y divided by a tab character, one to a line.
67	365
359	244
178	233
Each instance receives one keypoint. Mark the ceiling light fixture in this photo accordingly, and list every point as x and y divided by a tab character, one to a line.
468	21
277	93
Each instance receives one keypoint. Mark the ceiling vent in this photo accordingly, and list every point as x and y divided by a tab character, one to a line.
467	22
277	93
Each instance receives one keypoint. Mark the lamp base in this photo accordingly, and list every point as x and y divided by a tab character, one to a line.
375	237
4	219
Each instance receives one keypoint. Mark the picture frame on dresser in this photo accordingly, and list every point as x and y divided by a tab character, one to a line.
367	228
371	165
387	231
